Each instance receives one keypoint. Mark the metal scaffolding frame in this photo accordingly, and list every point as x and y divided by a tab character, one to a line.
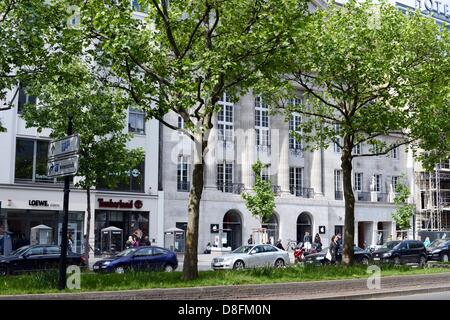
433	213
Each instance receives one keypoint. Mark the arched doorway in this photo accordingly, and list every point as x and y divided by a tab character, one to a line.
232	226
273	228
304	224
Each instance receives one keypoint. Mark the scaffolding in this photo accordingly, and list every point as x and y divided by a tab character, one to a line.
434	196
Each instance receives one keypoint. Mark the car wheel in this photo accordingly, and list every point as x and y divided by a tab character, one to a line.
119	270
397	261
444	257
422	261
239	265
4	271
168	268
279	263
365	261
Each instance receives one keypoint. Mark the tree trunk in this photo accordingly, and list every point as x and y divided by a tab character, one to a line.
190	266
88	226
349	197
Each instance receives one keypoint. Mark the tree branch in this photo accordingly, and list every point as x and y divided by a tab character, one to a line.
165	16
392	147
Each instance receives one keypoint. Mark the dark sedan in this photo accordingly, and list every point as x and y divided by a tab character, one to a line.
36	258
439	250
406	251
361	256
139	259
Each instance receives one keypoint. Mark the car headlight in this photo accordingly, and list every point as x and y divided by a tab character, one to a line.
435	251
320	258
387	255
106	263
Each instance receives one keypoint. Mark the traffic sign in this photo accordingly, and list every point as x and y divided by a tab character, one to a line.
63	167
64	147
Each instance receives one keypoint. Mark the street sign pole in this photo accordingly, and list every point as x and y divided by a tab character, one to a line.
63	259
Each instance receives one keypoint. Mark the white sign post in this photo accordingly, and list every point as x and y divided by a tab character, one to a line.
63	158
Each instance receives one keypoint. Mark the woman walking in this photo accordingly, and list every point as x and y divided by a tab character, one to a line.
331	254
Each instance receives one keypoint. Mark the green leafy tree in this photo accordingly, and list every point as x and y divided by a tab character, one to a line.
182	57
404	211
98	117
28	28
261	204
367	71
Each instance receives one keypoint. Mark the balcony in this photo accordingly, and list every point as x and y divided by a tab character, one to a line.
302	192
367	197
229	187
263	148
183	186
276	190
296	152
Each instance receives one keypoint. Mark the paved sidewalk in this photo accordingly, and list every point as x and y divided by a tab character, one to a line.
335	289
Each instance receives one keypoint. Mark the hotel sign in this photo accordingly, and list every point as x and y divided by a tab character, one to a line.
440	7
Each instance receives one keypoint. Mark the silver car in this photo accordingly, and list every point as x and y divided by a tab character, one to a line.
252	256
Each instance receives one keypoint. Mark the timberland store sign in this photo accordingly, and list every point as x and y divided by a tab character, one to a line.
120	204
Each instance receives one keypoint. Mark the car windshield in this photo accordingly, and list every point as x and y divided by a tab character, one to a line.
243	249
438	243
19	251
389	245
126	252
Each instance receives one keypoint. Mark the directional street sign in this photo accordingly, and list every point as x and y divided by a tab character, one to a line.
63	167
64	147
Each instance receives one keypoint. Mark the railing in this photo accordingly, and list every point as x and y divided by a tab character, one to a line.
302	192
382	197
296	152
230	187
367	197
263	148
183	186
276	190
363	196
338	195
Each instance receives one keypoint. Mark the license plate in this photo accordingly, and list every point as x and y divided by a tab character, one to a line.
376	258
96	267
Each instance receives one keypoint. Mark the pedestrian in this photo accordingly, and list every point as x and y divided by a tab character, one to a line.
331	254
69	243
136	242
279	245
146	241
208	248
338	247
307	241
318	243
250	240
427	242
129	243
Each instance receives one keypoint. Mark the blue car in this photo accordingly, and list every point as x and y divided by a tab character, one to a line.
139	259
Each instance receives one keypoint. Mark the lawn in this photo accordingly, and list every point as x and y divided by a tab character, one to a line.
47	282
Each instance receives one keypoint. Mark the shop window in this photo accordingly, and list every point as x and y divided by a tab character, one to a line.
24	99
136	121
133	180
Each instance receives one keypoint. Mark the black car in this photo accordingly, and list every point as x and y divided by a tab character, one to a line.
35	258
439	250
407	251
360	255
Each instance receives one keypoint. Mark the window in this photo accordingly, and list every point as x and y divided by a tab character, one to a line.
133	180
377	187
144	252
262	123
180	122
225	119
24	98
296	181
265	173
358	183
183	173
137	6
31	161
338	184
225	177
136	121
294	123
395	180
394	153
336	144
357	149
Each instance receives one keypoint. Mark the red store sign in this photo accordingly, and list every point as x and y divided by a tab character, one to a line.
120	204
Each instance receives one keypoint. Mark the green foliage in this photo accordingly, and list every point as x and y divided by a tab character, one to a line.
404	211
261	204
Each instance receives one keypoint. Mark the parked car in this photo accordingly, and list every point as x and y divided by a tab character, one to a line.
252	256
407	251
35	258
439	250
360	255
139	259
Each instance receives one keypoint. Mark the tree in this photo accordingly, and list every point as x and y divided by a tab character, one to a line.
28	28
262	203
404	211
366	70
182	57
98	117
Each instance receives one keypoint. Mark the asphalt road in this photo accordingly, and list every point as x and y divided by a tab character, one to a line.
423	296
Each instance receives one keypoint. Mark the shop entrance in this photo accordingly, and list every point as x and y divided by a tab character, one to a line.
232	221
304	224
273	229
